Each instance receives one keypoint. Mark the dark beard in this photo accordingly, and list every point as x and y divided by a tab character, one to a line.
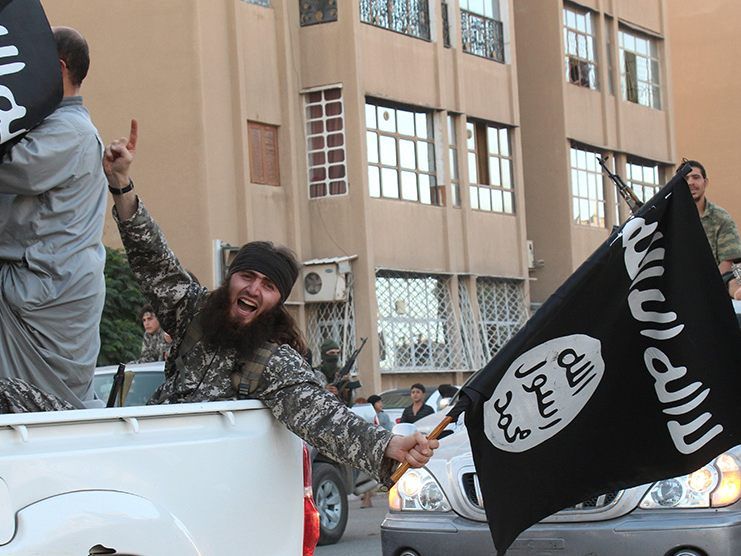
221	330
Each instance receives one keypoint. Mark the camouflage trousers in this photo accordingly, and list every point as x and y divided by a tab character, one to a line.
18	396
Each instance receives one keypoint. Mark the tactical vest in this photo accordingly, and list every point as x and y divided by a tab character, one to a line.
246	380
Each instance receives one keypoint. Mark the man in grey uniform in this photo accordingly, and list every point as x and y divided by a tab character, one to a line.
52	209
239	341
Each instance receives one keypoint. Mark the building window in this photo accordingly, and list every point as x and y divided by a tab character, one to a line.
263	146
490	167
410	17
639	69
401	154
446	24
317	11
264	3
325	142
580	55
587	191
502	310
416	323
482	32
643	178
455	184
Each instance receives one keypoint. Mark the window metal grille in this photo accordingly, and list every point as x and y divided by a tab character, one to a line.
587	189
317	11
579	41
643	179
489	168
401	154
264	3
502	310
417	326
334	321
482	36
474	351
409	17
639	69
325	142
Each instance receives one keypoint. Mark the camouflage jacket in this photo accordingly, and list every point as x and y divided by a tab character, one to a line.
721	232
154	348
287	385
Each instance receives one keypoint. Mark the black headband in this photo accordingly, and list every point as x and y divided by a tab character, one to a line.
262	257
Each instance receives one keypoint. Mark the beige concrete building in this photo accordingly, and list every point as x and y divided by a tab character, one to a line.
594	81
707	77
395	146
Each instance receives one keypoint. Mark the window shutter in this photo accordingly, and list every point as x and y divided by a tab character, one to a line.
263	153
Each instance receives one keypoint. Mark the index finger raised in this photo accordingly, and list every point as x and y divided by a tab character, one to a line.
133	135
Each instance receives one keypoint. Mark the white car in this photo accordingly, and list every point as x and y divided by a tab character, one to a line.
439	510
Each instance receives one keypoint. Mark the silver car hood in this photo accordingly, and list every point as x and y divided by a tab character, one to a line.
453	468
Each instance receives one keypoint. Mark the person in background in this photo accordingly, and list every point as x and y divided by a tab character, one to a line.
720	229
342	387
155	342
418	407
330	359
383	419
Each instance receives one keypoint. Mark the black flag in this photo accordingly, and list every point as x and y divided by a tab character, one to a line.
628	374
30	75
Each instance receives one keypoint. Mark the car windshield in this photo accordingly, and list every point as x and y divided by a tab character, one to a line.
142	387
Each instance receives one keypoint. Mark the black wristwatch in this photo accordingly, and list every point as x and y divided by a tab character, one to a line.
117	191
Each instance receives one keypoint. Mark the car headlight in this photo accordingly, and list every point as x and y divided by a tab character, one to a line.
417	490
715	485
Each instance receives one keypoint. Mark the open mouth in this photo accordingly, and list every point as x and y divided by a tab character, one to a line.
246	306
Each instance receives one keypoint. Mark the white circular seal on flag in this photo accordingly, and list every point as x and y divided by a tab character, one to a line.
542	391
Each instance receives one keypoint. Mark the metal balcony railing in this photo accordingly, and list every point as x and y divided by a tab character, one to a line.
410	17
482	36
317	11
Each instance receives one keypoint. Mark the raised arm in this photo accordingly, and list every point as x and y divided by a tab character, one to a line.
165	282
116	164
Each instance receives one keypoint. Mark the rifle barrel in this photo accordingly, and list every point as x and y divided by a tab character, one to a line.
626	192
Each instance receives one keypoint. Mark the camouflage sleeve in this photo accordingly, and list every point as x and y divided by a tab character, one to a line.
151	350
173	293
320	377
18	396
729	243
293	393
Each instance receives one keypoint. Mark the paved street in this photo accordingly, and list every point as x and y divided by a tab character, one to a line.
363	534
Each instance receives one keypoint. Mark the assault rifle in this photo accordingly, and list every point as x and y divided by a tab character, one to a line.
345	370
634	203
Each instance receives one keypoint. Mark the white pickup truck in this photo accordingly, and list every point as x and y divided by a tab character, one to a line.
191	479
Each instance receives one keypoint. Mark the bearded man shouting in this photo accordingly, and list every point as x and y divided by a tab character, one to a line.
239	341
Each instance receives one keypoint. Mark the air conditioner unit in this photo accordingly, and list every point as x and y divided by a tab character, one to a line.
324	282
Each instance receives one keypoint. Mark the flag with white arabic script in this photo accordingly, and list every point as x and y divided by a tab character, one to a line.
30	75
628	374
